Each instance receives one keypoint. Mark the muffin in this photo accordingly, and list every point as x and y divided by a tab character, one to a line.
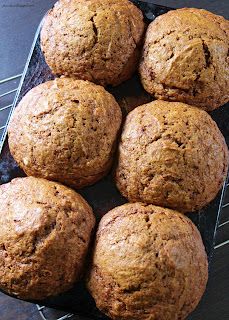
185	58
65	130
172	155
93	40
45	230
149	263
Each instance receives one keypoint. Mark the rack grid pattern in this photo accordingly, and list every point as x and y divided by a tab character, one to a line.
5	118
7	108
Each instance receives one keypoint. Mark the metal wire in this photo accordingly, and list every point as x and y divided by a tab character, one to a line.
221	244
8	92
7	107
10	78
223	224
222	206
17	90
41	310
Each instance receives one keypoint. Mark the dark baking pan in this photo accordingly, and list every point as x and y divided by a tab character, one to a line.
104	196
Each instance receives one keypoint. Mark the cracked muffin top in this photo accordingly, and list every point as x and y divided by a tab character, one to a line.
93	40
44	237
171	154
65	130
185	58
148	263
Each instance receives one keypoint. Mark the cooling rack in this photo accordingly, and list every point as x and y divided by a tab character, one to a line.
43	311
8	92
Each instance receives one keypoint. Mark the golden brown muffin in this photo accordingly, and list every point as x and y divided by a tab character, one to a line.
185	58
171	154
45	230
149	263
65	130
93	40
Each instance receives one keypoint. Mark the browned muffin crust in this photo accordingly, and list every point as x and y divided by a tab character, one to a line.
172	155
185	58
93	40
65	130
44	237
149	263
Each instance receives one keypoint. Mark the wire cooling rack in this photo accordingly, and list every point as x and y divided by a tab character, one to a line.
44	313
8	90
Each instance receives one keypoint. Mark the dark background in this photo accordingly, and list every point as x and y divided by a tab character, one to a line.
18	22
